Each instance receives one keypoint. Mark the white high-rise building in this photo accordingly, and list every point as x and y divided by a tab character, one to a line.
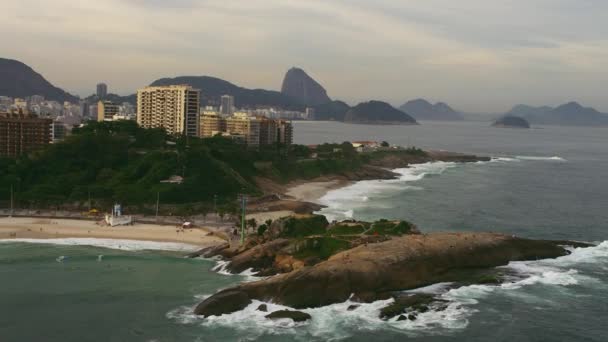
174	108
227	105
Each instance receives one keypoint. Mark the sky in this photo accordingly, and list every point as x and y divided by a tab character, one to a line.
477	55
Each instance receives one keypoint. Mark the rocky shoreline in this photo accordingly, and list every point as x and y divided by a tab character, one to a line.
312	263
280	197
373	267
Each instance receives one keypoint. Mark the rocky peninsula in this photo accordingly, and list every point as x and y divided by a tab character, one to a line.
313	263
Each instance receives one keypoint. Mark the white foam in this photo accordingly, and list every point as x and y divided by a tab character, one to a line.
555	158
125	245
343	203
551	272
332	322
221	267
502	159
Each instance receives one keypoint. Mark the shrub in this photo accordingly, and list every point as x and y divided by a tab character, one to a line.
302	227
262	229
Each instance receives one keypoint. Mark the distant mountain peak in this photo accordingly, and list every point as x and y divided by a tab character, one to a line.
19	80
299	85
571	113
422	109
377	112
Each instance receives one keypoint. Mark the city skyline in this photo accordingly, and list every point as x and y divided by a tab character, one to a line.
476	56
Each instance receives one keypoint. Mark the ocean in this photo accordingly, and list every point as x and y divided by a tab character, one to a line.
547	183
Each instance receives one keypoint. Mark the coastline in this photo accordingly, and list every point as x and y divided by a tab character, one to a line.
43	229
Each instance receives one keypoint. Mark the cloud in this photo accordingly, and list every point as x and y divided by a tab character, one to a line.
393	50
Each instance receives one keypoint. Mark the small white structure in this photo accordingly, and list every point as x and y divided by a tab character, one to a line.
117	219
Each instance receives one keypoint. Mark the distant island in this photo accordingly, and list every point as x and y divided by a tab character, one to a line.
421	109
511	122
569	114
377	112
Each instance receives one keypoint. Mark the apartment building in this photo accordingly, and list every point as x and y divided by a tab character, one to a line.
22	133
106	111
242	124
211	124
241	127
285	132
174	108
227	105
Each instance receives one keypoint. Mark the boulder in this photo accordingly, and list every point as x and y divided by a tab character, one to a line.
296	316
352	307
208	252
263	308
224	302
258	258
415	302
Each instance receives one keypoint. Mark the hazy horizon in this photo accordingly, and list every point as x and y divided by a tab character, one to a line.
477	56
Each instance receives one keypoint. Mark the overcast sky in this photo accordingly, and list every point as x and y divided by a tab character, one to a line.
477	55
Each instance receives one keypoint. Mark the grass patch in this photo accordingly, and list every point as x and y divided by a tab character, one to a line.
305	226
320	247
384	227
346	229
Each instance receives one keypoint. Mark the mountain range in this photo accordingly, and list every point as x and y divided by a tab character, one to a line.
421	109
19	80
569	114
213	88
299	90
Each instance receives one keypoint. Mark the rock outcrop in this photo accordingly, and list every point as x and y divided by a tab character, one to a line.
296	316
373	272
298	85
223	302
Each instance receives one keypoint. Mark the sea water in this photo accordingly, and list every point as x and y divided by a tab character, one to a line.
545	183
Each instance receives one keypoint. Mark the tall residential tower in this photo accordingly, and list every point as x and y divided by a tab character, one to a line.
227	105
174	108
102	90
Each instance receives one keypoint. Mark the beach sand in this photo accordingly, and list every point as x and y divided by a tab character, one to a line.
38	228
313	191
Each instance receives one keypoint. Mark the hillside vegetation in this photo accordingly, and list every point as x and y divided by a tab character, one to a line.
119	161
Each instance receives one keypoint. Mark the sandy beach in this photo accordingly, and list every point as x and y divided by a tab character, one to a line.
313	191
37	228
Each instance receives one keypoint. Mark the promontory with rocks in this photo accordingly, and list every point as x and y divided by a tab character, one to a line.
304	261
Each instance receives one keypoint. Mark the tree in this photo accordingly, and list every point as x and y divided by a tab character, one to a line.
252	223
262	229
385	144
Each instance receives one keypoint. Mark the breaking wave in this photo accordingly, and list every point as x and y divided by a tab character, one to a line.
125	245
556	158
343	203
